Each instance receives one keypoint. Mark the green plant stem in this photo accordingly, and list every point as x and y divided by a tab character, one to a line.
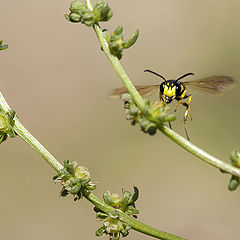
30	140
184	143
52	161
136	225
140	103
117	65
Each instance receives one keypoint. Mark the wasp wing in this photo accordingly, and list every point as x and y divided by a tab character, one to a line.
213	85
143	91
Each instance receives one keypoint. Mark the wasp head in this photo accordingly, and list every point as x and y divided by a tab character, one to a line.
168	90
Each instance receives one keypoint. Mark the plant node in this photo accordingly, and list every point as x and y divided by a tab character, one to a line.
74	180
152	116
6	125
235	160
112	225
79	12
116	43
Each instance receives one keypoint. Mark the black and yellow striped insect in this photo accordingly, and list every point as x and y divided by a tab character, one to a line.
175	89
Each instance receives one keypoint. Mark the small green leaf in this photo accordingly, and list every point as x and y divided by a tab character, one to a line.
101	231
3	47
134	196
131	41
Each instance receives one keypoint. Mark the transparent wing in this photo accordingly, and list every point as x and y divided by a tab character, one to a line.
143	90
213	85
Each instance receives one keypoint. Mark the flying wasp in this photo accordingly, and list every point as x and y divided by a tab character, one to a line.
175	89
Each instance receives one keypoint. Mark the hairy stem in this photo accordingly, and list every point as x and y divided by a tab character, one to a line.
140	103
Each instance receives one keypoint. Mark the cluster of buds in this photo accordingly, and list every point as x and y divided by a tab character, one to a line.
3	47
234	181
152	116
74	180
112	224
79	12
6	125
116	43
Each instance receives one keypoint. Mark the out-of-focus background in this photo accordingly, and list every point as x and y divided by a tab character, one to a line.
57	79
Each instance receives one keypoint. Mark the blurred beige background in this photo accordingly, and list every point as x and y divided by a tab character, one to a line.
57	79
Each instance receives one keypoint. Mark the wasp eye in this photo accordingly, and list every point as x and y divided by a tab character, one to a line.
178	89
162	87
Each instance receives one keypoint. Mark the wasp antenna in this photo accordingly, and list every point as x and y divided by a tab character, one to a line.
155	74
183	76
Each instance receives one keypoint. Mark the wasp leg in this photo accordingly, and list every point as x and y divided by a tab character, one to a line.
184	95
187	105
187	112
170	125
186	132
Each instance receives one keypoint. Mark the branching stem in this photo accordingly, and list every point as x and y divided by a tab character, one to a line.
52	161
140	103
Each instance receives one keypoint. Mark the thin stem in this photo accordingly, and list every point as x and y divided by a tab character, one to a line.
136	225
140	103
30	140
52	161
206	157
117	65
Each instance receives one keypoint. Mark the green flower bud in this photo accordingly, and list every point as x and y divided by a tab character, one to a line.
126	97
118	32
134	110
91	186
115	42
234	183
235	158
132	210
125	200
64	193
6	125
3	124
111	199
129	117
74	17
102	12
148	127
77	7
75	189
88	18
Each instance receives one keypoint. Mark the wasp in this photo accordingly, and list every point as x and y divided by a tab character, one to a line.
170	90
